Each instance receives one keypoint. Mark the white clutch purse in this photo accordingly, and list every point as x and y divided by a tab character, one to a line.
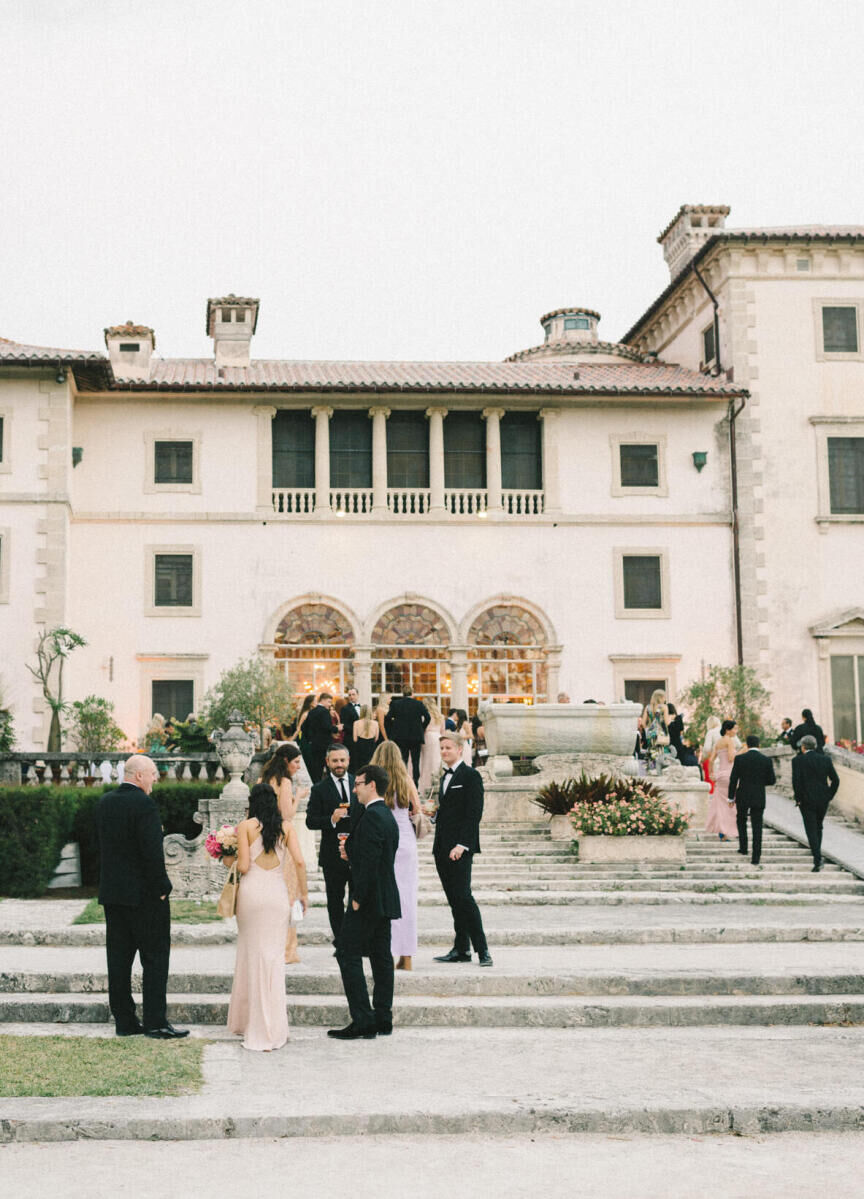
296	911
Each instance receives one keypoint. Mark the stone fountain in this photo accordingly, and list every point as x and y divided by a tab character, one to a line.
564	740
193	873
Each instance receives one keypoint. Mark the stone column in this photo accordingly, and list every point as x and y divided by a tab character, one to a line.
363	672
492	417
459	677
322	460
379	459
264	491
551	492
553	673
436	459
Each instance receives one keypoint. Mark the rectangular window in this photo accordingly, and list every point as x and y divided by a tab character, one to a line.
407	449
293	449
521	452
173	461
639	691
173	698
173	581
840	330
846	474
350	449
464	450
642	587
640	466
709	345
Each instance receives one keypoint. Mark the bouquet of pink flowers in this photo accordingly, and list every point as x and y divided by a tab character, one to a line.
222	843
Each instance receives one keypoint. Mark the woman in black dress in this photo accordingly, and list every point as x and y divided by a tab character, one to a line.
367	734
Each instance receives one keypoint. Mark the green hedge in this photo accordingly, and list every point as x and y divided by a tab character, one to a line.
40	820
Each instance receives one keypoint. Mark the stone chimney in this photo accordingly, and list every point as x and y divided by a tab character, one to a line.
688	231
231	323
130	348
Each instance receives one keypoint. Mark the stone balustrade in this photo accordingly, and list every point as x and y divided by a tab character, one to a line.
75	770
408	501
465	501
353	501
294	501
522	503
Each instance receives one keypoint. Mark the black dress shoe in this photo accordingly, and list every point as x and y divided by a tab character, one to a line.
352	1034
485	960
384	1030
816	868
453	956
743	852
166	1033
130	1032
755	862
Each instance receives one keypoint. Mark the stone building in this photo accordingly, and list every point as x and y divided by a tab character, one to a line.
561	520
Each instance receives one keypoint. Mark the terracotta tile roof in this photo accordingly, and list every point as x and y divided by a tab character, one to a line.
16	351
787	233
129	330
547	316
531	378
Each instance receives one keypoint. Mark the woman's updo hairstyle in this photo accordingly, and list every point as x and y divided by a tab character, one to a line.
264	807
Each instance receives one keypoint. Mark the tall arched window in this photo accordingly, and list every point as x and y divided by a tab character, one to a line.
507	657
315	647
410	649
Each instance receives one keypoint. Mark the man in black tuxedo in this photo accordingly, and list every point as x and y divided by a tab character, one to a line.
814	785
349	715
371	851
751	773
405	723
333	809
457	840
134	889
318	730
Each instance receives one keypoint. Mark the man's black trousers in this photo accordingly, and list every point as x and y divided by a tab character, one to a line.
145	930
813	828
756	814
467	922
336	877
411	749
360	937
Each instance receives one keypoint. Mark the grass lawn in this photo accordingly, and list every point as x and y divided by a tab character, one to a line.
93	1066
183	911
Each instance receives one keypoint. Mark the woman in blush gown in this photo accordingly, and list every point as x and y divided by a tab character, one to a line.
257	1010
722	817
430	754
402	799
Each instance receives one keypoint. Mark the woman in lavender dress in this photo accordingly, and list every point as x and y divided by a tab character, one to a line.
401	797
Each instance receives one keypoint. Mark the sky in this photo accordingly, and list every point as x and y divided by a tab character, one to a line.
400	179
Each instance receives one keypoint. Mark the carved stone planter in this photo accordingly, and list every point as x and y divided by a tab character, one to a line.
560	828
631	849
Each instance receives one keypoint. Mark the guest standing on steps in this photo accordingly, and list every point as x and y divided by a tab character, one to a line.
374	902
457	841
722	819
279	772
807	728
814	785
405	724
751	773
134	890
402	800
333	809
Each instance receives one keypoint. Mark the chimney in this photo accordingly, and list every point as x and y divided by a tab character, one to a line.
577	326
231	323
687	232
130	348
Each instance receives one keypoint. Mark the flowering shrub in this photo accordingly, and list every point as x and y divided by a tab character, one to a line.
855	747
624	807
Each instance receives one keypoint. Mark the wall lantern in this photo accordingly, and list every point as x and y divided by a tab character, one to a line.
700	457
77	454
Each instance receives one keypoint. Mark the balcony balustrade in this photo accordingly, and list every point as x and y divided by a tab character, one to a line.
522	503
294	501
75	769
353	501
465	501
408	501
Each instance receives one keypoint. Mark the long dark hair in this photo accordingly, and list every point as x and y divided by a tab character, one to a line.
276	767
264	807
807	716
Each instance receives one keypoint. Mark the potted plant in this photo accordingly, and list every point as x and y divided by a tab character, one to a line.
625	820
556	800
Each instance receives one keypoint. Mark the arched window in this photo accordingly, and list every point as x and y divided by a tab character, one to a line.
507	657
314	646
410	649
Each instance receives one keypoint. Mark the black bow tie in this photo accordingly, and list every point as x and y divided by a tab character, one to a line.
449	770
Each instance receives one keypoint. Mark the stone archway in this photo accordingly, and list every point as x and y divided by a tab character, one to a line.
314	644
508	655
410	643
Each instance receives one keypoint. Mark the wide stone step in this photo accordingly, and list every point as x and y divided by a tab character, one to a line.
482	1011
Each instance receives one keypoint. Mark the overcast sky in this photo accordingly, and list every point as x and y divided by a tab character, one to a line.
400	178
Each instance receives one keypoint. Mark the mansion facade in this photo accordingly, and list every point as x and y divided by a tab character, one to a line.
595	517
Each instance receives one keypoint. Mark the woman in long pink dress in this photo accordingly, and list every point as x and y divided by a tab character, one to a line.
722	816
265	843
402	799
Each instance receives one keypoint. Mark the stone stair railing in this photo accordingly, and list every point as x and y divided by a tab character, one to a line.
76	770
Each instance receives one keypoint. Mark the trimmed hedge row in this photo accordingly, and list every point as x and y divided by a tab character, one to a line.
38	821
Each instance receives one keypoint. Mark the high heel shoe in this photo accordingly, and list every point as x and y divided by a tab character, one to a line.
404	963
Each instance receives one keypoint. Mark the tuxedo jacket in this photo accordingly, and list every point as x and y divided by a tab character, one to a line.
460	809
371	850
807	730
406	720
318	729
349	716
814	781
132	861
751	773
324	799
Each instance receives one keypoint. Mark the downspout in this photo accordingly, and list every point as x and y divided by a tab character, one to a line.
717	367
734	413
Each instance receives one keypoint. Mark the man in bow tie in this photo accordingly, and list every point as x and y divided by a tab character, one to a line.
457	840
